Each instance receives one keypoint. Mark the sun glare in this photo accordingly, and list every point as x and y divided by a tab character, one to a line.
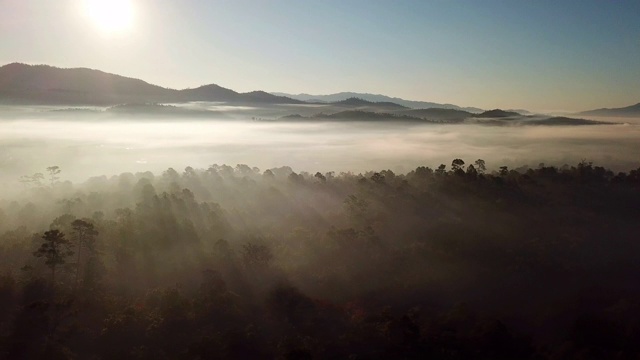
110	16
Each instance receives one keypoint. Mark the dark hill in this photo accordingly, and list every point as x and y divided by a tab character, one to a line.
43	84
332	98
264	97
354	101
564	121
631	111
209	92
390	105
497	113
360	115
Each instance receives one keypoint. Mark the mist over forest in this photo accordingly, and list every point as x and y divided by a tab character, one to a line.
289	180
143	222
90	142
134	235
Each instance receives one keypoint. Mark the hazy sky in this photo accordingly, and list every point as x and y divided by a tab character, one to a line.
539	55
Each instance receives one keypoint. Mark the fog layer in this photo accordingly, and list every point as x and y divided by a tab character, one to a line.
89	148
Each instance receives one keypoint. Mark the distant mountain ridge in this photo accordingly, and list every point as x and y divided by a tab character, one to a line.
357	102
498	113
23	84
496	117
628	111
43	84
377	98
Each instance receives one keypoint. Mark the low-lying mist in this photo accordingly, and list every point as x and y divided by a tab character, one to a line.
142	239
84	148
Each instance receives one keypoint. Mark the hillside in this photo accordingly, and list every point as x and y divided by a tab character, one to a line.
497	113
211	91
564	121
43	84
628	111
366	116
356	102
332	98
263	97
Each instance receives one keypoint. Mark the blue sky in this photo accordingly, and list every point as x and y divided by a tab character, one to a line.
538	55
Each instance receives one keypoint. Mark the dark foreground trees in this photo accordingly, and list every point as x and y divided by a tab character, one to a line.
54	250
231	263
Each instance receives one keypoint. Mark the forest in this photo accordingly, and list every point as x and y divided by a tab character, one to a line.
452	262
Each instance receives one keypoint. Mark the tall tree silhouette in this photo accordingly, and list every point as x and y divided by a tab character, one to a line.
84	236
53	174
481	166
55	249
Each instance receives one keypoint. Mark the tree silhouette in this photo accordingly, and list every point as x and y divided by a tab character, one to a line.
377	178
471	171
53	174
55	250
35	179
481	166
457	167
457	164
85	236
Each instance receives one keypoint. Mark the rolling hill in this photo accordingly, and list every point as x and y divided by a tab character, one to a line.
332	98
43	84
628	111
357	102
498	113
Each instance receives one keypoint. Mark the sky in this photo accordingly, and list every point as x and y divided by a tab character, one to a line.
514	54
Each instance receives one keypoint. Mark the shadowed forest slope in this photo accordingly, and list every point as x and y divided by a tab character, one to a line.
236	263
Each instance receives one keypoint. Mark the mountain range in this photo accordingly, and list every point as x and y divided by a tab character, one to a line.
629	111
377	98
47	85
43	84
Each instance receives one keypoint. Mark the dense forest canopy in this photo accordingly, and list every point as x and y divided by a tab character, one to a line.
454	262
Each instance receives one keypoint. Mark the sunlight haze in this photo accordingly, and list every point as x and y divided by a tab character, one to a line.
328	179
540	56
111	16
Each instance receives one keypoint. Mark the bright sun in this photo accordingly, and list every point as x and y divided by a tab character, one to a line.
110	16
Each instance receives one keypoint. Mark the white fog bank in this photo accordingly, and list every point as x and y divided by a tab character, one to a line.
90	148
